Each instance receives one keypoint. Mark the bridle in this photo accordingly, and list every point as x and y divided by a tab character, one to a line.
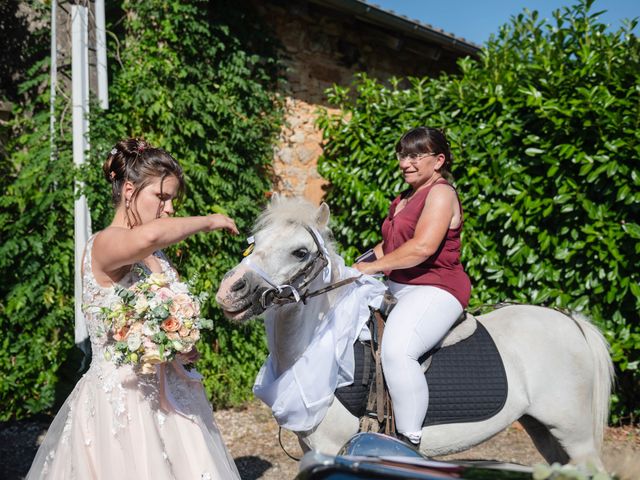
295	289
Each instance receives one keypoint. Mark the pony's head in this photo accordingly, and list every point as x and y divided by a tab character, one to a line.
290	248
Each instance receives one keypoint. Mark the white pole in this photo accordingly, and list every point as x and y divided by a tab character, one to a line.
101	49
54	81
84	42
80	122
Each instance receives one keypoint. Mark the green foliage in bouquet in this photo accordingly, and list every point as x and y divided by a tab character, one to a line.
545	130
195	78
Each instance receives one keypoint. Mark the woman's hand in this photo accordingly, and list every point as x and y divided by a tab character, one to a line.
217	221
368	268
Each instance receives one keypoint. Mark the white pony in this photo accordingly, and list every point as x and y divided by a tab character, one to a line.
558	368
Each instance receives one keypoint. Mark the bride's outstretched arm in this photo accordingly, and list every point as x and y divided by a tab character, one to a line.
116	247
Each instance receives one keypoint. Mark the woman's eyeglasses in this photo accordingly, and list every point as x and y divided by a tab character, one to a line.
414	157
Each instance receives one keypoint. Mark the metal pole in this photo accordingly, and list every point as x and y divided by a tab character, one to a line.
101	49
80	121
54	80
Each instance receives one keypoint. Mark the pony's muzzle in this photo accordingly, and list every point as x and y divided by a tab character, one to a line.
239	294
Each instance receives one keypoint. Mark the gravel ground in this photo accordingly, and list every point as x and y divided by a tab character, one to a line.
252	437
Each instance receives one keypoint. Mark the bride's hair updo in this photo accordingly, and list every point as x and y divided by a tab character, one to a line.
138	162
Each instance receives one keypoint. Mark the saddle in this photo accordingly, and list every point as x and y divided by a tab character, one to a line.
466	378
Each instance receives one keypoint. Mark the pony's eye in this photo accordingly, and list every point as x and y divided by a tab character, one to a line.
300	253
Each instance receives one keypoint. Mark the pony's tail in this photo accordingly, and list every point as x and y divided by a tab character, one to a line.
604	376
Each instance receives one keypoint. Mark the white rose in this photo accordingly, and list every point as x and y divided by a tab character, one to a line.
180	287
133	342
158	279
141	304
150	329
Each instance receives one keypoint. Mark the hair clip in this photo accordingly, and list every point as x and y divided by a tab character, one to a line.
112	174
249	249
113	152
251	242
141	147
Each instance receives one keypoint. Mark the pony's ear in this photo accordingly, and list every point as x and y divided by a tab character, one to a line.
322	215
275	199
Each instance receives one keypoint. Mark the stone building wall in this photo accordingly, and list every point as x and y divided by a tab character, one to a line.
322	47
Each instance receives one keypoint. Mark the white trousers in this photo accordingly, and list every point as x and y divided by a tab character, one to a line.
418	322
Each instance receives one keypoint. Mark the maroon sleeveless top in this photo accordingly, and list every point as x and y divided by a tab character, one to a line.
443	269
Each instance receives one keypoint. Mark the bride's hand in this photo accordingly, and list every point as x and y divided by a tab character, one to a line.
218	221
190	357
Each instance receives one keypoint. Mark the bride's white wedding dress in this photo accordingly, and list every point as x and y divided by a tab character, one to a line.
118	424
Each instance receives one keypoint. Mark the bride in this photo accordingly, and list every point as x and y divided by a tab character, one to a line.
120	422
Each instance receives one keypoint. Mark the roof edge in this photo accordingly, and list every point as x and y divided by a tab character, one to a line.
378	16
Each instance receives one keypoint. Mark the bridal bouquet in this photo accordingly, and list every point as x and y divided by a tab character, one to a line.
152	321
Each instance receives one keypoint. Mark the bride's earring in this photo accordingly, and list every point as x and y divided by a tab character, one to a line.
127	205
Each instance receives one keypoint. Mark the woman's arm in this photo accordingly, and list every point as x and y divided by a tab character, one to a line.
116	247
431	229
378	250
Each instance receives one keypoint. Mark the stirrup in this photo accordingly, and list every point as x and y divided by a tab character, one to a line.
407	441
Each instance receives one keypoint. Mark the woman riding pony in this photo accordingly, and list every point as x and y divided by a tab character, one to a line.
420	253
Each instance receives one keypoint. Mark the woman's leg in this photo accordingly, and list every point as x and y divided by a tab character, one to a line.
421	318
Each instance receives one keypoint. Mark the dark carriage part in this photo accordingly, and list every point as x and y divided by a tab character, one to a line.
377	456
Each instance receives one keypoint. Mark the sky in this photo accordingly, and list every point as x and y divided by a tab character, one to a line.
476	20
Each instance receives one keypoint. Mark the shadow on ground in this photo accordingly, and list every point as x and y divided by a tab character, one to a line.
251	467
19	444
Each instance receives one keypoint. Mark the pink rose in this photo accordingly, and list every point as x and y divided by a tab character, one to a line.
183	305
136	328
171	324
165	294
173	336
194	336
121	334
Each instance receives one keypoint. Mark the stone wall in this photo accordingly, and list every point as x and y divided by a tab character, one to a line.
322	47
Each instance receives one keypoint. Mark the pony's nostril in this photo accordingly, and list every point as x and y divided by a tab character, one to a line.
239	285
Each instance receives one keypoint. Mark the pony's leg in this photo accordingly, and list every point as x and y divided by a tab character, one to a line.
564	433
580	444
547	444
558	446
332	432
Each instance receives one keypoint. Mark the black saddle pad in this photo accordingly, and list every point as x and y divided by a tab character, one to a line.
467	381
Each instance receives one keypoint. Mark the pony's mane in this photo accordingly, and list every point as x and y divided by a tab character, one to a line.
288	210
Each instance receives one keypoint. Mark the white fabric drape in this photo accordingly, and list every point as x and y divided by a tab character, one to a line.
301	396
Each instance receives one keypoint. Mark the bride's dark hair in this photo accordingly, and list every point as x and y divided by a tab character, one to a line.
138	162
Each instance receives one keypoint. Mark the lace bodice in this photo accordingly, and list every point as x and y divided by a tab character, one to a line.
95	296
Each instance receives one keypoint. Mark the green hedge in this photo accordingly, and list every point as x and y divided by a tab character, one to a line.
545	129
196	78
